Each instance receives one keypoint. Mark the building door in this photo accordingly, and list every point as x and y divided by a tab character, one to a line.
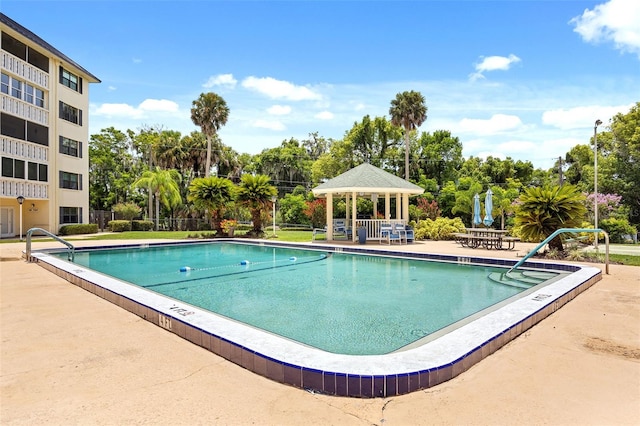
6	222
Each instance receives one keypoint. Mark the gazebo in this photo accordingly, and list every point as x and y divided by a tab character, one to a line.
373	183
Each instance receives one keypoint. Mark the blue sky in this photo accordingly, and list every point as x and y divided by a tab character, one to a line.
525	79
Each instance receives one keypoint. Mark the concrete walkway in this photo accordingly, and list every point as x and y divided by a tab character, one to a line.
68	357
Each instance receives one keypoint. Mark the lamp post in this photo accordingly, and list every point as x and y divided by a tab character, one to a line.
595	177
20	201
273	202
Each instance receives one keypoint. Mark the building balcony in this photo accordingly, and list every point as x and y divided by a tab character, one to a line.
24	70
24	110
12	188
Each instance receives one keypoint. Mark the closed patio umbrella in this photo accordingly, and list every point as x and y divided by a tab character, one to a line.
488	207
477	220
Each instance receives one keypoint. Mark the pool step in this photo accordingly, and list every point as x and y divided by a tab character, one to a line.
519	279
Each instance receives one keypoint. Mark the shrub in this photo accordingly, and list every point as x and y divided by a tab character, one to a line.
617	229
80	228
119	225
442	228
127	211
141	225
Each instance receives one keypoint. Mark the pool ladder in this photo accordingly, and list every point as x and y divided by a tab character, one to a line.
70	246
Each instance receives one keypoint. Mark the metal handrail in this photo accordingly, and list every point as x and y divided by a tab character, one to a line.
561	231
55	237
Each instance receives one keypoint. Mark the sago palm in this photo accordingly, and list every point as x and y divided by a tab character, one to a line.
212	194
543	210
255	192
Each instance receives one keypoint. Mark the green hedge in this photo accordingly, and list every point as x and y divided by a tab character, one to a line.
440	229
119	225
141	225
81	228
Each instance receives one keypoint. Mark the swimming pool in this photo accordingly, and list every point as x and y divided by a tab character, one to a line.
421	363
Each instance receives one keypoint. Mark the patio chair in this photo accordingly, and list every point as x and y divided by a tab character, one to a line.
389	234
341	229
409	236
400	229
317	231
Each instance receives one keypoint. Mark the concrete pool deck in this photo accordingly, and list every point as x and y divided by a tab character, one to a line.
69	357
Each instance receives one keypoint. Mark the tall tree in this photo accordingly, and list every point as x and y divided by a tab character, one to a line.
210	112
112	169
163	184
408	110
255	193
626	136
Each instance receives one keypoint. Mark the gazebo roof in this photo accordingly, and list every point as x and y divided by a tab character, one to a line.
369	179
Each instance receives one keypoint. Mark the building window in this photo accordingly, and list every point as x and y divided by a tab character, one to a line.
13	168
12	126
43	173
37	171
37	133
4	87
70	147
7	167
16	88
70	214
71	114
70	180
70	80
21	90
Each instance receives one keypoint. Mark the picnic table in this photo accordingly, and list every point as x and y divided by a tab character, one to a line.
486	238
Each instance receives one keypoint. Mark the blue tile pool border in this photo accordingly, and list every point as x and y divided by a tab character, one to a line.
333	374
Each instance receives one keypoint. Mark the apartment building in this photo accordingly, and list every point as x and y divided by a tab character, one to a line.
44	134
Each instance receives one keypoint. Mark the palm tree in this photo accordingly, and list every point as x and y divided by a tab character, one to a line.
210	112
163	184
255	192
543	210
212	194
408	110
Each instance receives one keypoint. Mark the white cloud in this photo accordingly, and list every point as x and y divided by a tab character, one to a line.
279	89
271	125
616	21
158	105
136	60
493	63
581	117
118	110
225	80
112	88
128	111
279	110
497	123
324	115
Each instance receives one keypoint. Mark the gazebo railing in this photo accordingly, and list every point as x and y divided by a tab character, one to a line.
372	225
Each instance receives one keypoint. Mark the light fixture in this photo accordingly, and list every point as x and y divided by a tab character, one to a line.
20	199
595	177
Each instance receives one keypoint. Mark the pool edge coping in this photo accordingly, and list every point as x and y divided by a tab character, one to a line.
319	371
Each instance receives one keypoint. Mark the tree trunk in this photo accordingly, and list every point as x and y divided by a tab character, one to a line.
208	166
406	154
556	244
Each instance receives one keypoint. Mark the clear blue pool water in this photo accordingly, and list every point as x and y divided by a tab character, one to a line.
341	303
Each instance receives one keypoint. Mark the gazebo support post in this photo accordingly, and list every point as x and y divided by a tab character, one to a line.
354	216
329	217
387	206
398	205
